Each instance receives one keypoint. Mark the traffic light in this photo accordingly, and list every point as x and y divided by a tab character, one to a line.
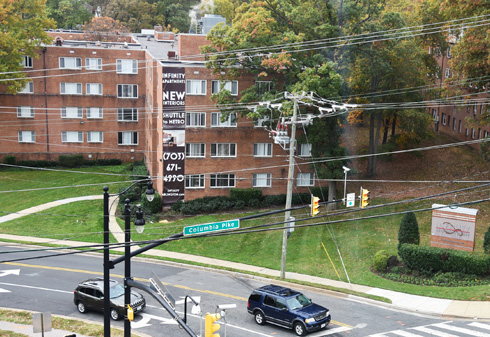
130	313
315	205
210	326
364	197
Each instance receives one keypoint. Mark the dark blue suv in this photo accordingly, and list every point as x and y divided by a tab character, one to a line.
287	308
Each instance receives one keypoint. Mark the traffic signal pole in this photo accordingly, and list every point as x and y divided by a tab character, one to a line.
289	189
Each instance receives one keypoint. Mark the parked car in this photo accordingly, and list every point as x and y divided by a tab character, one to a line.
89	295
287	308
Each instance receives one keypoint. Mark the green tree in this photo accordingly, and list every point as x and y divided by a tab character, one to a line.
486	242
409	230
68	14
22	25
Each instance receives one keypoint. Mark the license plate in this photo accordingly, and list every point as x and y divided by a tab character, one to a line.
323	325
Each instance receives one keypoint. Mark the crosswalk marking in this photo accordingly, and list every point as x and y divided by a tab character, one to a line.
404	333
473	333
480	325
433	332
329	331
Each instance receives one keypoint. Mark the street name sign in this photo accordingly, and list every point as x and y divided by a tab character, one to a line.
212	227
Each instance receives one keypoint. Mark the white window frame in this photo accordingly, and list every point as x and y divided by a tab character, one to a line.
305	179
195	119
263	150
261	180
448	52
70	63
25	111
127	91
443	119
260	122
95	113
231	86
217	123
304	150
69	112
95	137
447	73
195	150
27	62
26	136
94	88
195	87
67	88
127	66
195	181
93	63
123	137
263	86
28	89
127	114
223	150
216	179
71	136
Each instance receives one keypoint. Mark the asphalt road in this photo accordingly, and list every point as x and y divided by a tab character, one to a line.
47	284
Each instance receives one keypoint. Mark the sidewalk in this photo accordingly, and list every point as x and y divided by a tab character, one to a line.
400	301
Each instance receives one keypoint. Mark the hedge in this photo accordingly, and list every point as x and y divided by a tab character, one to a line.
71	160
434	259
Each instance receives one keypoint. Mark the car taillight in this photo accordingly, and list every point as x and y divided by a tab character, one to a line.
248	304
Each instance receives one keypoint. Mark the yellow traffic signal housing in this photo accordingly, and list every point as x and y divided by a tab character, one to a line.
130	313
315	205
364	198
210	326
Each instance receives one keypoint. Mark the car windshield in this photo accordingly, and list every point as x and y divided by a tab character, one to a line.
117	290
297	302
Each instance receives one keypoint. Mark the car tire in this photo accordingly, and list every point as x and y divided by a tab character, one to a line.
81	307
259	318
114	314
299	329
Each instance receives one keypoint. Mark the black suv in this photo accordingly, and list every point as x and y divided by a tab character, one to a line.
288	308
89	295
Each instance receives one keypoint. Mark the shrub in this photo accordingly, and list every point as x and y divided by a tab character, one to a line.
9	160
319	191
108	162
275	200
301	198
434	259
409	230
486	241
71	160
177	206
246	194
153	207
37	163
381	261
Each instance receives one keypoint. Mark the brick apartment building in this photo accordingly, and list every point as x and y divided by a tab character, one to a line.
450	119
143	98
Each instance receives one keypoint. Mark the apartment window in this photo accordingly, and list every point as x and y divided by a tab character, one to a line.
93	64
28	89
95	136
127	138
475	109
194	181
261	180
25	112
196	87
262	150
434	113
261	121
70	63
263	86
127	66
216	120
454	124
94	88
27	136
71	88
449	54
195	150
127	91
94	113
223	150
485	134
231	86
127	114
222	180
443	119
482	108
196	119
71	112
304	150
473	133
71	136
304	179
27	62
447	73
459	126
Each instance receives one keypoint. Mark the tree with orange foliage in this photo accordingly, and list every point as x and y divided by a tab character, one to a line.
105	29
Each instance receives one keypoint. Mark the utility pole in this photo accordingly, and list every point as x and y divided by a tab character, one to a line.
289	194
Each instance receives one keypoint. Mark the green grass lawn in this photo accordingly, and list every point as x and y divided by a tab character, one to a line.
354	240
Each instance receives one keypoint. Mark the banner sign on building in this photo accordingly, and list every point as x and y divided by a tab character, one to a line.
173	117
453	228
